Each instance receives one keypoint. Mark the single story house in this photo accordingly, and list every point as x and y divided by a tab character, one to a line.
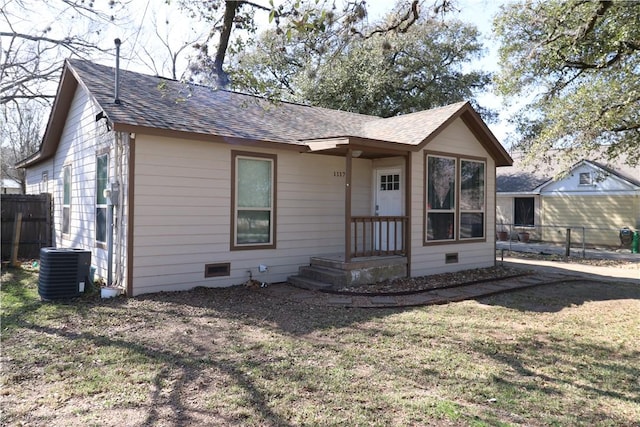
590	197
213	188
10	186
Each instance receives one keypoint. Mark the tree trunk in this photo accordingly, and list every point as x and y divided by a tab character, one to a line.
231	7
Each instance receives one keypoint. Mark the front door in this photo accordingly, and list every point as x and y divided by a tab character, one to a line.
389	202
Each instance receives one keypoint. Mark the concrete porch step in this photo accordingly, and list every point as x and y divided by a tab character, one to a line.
334	273
332	276
307	283
338	263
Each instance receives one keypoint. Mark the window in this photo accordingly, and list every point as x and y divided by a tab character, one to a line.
66	199
102	177
45	182
586	178
523	211
471	199
441	198
455	195
253	190
389	182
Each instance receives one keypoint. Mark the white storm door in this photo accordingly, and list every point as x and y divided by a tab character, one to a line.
388	202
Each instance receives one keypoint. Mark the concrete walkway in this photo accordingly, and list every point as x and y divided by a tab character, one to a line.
624	273
545	273
575	252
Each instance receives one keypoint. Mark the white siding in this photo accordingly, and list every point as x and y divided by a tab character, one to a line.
456	139
183	208
81	139
34	183
603	183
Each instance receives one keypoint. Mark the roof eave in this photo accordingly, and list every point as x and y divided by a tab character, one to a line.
518	193
481	131
208	137
64	96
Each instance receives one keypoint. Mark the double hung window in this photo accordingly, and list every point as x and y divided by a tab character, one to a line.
66	199
253	190
102	177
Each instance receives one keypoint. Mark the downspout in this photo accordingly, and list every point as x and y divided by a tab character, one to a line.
116	96
110	198
113	193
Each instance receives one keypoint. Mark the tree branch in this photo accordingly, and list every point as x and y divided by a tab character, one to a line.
68	42
227	24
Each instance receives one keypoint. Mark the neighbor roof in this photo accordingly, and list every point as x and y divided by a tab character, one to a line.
10	183
155	105
520	178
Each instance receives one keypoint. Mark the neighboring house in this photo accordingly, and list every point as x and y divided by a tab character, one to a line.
588	195
10	186
213	187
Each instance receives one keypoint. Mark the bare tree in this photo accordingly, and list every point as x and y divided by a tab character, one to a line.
32	52
21	128
166	63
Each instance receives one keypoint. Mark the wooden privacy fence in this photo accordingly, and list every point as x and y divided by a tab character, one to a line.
33	214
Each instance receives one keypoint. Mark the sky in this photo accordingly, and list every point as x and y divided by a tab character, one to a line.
478	12
175	29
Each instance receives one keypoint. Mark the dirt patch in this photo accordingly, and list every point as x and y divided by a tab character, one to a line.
408	285
251	357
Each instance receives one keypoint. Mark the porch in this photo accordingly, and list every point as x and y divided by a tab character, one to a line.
331	272
376	232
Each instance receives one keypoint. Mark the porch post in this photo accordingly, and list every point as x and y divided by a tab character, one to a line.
407	211
347	207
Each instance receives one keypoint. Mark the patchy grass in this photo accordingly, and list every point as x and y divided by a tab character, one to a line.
565	354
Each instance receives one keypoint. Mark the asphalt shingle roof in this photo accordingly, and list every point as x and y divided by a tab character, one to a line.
403	128
168	104
525	178
160	103
518	182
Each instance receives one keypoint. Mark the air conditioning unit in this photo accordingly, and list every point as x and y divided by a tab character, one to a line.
63	272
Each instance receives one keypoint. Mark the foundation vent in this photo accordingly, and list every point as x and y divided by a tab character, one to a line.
451	258
217	270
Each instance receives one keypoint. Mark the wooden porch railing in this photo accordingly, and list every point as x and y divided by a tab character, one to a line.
377	236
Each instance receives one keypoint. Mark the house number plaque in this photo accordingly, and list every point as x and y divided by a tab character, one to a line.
339	174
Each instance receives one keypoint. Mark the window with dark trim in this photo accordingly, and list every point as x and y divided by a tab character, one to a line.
253	200
102	177
523	211
441	198
586	178
45	182
472	193
66	199
455	194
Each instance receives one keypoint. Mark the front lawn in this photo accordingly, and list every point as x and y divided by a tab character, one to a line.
563	354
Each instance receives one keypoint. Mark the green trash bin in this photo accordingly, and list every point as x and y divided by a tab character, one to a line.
635	242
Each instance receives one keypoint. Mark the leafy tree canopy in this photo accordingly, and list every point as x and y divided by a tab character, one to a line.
340	20
382	73
576	62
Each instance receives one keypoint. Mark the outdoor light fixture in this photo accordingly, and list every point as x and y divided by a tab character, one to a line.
356	153
101	115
